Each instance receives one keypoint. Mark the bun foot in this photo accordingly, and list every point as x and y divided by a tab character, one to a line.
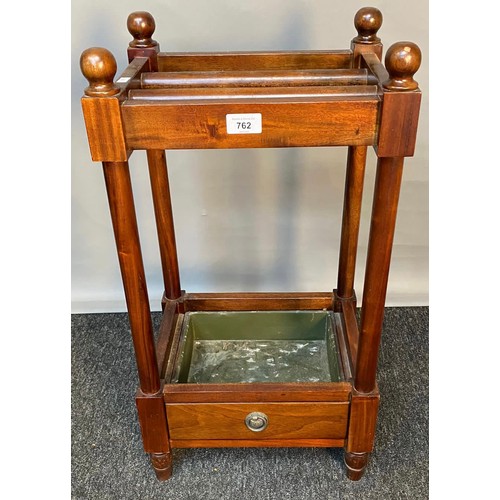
162	464
356	464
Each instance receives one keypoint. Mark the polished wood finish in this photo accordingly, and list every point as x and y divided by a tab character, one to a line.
98	66
400	109
286	421
372	62
398	124
402	61
121	205
244	61
351	216
153	422
257	443
160	189
361	432
171	351
141	25
272	93
162	465
107	143
130	79
317	121
401	102
355	464
367	22
306	98
383	221
257	301
101	103
101	113
166	334
350	324
362	422
257	392
347	365
262	78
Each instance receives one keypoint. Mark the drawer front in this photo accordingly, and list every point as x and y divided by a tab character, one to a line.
245	421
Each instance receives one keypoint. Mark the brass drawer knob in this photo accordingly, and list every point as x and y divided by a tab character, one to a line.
256	421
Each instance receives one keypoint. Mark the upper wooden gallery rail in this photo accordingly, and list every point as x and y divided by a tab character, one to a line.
299	121
257	78
299	107
296	93
250	61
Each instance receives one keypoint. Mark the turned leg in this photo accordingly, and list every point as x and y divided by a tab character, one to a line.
365	398
162	465
356	464
149	398
164	222
361	432
355	173
383	222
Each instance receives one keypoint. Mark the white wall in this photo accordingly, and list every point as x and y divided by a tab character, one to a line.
246	220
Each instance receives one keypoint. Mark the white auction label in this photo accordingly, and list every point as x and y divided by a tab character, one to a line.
244	123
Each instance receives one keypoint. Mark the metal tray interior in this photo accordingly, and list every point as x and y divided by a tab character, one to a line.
257	346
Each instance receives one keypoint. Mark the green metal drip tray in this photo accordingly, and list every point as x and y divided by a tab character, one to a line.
257	346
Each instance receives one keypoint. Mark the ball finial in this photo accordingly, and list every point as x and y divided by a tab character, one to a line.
402	61
141	25
367	22
98	66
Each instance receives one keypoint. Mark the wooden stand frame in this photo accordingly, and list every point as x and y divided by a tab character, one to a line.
323	98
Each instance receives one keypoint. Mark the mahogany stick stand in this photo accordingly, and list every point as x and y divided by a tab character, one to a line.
255	100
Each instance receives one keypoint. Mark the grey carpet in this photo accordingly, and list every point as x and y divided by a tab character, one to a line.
108	461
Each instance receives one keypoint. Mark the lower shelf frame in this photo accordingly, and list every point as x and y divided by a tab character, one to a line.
256	443
356	437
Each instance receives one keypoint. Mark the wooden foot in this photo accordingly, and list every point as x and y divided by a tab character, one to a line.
162	464
356	464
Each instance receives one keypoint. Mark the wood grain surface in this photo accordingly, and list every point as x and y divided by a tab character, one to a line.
261	78
362	422
286	420
257	392
240	61
247	301
229	93
311	121
257	443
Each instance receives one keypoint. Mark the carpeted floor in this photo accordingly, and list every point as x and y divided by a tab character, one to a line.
108	461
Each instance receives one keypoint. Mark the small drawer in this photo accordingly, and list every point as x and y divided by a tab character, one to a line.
257	421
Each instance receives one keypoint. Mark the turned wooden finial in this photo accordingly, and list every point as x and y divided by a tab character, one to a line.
367	22
98	66
141	25
402	61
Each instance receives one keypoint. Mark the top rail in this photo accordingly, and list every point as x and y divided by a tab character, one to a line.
262	78
288	93
238	61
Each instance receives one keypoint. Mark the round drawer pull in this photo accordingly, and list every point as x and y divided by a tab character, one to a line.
256	421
